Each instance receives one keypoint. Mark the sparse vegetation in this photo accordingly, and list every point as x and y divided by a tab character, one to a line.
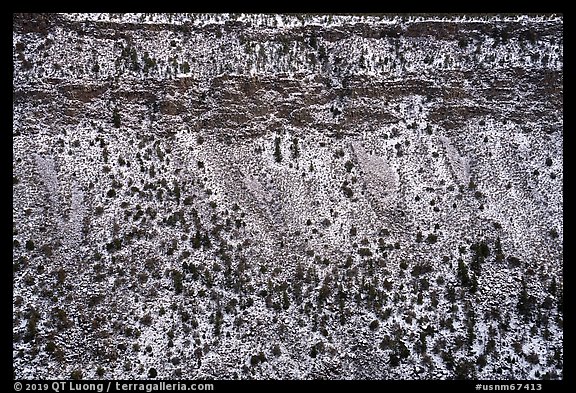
116	117
287	196
349	165
177	281
152	373
277	150
30	245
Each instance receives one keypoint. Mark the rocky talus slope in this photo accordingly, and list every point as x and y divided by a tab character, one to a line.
274	196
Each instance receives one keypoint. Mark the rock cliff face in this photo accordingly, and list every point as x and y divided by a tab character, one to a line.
273	196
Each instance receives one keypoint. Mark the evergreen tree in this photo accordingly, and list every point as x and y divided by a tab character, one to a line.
463	273
277	150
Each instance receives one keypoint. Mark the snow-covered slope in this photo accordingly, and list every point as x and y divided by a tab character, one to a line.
274	196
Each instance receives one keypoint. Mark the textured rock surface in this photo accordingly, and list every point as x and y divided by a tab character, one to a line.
268	196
